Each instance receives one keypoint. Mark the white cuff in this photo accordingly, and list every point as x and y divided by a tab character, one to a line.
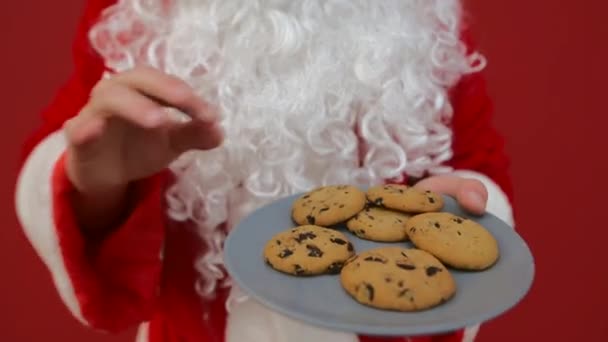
33	202
498	202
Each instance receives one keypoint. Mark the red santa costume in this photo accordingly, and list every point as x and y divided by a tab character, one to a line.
310	92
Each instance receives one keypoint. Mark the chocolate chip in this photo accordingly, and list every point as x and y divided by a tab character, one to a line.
405	255
405	266
314	251
458	220
311	219
285	253
400	191
323	209
459	233
370	217
388	279
305	197
413	229
400	283
399	220
437	225
370	292
375	259
305	236
341	206
298	269
350	247
432	270
431	199
279	242
379	202
361	231
427	192
338	241
403	292
335	268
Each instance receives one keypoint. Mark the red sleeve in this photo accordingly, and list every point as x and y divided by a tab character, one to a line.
477	144
116	280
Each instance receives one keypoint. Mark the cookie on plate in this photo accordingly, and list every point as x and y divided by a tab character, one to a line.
378	224
308	250
456	241
328	206
398	279
405	199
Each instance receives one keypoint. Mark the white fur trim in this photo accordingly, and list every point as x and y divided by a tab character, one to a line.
33	203
470	333
143	333
252	322
498	203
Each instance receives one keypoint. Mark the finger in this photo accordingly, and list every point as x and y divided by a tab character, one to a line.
82	130
447	185
471	194
115	99
195	136
168	90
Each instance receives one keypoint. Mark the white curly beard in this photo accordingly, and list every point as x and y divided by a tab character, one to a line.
312	92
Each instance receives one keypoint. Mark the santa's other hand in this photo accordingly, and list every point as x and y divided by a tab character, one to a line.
471	194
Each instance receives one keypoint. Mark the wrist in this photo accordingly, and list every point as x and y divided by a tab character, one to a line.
97	207
98	212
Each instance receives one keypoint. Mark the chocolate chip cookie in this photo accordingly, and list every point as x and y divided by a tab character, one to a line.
328	206
405	199
308	250
378	224
456	241
396	278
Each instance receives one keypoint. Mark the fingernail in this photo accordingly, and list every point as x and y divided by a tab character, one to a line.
209	114
155	117
477	200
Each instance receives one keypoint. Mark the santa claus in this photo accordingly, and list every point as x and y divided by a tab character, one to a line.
182	116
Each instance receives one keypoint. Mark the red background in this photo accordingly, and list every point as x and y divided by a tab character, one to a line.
547	75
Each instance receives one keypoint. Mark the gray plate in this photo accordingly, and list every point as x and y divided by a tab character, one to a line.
321	301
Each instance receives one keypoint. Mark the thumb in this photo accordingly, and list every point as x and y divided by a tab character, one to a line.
471	194
195	135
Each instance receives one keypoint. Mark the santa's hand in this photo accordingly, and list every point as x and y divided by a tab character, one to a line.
124	134
471	194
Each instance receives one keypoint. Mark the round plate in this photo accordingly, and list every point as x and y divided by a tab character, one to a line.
321	301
